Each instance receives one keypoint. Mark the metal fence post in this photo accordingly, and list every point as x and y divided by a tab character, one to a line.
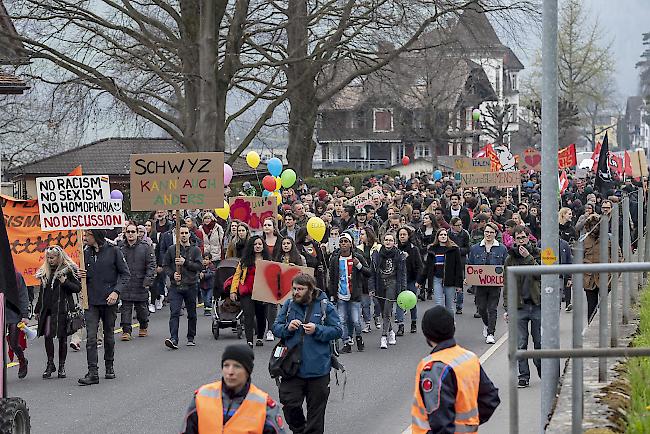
627	256
615	277
602	296
578	320
641	253
642	226
511	286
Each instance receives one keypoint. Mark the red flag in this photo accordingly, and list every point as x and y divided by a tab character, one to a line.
615	163
76	172
563	181
566	157
627	163
489	152
596	155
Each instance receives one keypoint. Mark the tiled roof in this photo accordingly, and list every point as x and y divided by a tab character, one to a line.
511	61
111	157
10	84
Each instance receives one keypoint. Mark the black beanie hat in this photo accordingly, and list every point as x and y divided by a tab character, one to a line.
239	353
438	324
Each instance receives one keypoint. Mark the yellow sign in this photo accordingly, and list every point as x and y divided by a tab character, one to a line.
548	256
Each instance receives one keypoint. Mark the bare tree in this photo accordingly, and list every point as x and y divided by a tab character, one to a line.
498	120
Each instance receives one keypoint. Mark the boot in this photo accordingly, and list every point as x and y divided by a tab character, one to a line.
110	372
347	348
360	345
22	369
49	369
400	330
90	378
414	326
61	373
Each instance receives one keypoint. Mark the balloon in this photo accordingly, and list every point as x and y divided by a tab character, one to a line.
275	166
265	193
407	300
406	160
476	115
227	174
278	183
278	196
316	228
437	175
117	194
268	183
253	159
288	178
223	212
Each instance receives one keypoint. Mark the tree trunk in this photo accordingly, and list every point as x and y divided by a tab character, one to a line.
208	122
302	118
189	54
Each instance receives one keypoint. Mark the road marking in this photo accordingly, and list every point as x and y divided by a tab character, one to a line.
486	355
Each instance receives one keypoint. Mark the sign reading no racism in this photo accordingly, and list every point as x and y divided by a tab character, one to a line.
77	202
490	179
176	181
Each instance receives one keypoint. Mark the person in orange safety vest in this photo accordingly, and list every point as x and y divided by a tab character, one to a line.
233	405
452	392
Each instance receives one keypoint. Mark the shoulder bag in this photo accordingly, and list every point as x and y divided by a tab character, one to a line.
285	362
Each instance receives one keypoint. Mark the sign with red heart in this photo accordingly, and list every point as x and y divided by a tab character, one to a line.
273	281
531	160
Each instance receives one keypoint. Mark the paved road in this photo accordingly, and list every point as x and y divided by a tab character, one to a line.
154	384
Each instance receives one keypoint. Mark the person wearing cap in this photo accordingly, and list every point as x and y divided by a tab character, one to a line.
233	404
452	392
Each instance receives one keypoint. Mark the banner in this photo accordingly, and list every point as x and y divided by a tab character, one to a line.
484	275
253	210
471	165
272	282
563	182
26	239
489	152
490	179
566	157
365	197
176	181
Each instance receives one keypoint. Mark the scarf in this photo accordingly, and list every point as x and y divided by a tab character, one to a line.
385	254
208	228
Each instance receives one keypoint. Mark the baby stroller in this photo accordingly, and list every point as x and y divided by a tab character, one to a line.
225	312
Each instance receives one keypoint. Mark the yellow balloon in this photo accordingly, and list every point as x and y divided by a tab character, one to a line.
278	196
316	228
253	159
224	212
278	182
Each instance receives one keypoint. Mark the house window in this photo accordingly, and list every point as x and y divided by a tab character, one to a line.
468	119
497	83
422	151
354	152
382	120
353	120
513	81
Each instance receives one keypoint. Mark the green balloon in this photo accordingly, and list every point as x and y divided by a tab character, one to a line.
288	178
407	300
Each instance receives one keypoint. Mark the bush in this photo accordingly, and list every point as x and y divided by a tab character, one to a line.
639	374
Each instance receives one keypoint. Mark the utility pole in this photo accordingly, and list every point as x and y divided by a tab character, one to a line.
551	296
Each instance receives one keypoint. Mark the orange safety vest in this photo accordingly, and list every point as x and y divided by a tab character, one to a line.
248	419
467	368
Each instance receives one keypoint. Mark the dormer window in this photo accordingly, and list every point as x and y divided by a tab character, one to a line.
382	120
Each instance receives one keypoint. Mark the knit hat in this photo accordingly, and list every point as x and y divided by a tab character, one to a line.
239	353
347	236
438	324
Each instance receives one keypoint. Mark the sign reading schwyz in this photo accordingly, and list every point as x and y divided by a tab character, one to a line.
490	179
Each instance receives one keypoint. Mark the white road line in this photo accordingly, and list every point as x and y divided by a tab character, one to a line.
486	355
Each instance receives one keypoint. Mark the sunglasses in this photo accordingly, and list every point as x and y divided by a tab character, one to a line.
131	232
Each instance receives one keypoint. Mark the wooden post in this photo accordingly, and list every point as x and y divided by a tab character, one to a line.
82	266
178	238
519	188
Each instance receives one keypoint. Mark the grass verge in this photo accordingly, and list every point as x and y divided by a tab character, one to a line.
638	420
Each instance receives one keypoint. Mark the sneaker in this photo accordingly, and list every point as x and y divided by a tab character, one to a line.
414	327
259	343
347	348
569	307
159	302
126	337
269	336
143	333
100	343
360	344
22	369
489	339
207	311
400	330
391	338
429	296
485	333
75	346
191	343
522	383
152	308
477	315
383	343
172	345
250	344
377	323
459	311
366	328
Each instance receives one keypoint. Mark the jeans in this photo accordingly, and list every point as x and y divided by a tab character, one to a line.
400	313
350	312
460	298
443	295
176	299
532	314
293	392
141	312
108	315
206	294
487	300
365	307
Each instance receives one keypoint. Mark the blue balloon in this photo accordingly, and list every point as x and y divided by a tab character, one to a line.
265	193
275	166
437	175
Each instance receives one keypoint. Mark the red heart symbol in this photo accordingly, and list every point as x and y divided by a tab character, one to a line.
533	159
278	281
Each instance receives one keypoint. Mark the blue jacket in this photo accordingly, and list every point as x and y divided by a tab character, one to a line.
316	353
478	255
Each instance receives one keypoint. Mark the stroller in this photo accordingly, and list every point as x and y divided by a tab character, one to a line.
225	312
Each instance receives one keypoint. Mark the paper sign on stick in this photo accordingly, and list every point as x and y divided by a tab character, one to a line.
365	197
253	210
273	281
490	179
471	165
484	275
188	180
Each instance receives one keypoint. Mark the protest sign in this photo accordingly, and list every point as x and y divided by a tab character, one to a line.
365	198
26	239
272	282
176	181
471	165
639	164
77	202
566	157
253	210
484	275
490	179
531	159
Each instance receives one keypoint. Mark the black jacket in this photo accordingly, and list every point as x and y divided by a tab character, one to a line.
376	283
464	216
413	261
156	237
453	271
359	275
142	265
107	271
190	269
462	241
55	299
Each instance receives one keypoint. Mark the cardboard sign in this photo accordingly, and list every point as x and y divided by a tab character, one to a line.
365	197
272	282
471	165
26	239
490	179
484	275
531	159
253	210
77	202
176	181
639	164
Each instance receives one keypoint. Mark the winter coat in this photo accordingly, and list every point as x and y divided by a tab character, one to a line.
479	256
367	252
376	282
316	356
107	272
360	273
530	282
414	263
142	265
462	241
453	269
55	299
317	262
464	216
212	241
11	316
568	232
190	269
156	237
207	282
592	255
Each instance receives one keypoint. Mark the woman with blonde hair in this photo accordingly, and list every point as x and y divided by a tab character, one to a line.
59	281
567	230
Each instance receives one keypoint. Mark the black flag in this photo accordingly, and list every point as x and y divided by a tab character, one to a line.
603	174
8	284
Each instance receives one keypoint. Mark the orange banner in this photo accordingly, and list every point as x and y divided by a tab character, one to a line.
27	241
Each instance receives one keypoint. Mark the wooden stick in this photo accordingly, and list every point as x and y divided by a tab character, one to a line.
178	238
82	266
